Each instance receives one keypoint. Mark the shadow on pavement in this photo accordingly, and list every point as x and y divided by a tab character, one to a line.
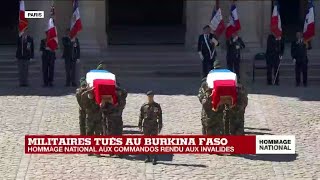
309	93
258	133
185	165
273	158
260	129
130	126
131	132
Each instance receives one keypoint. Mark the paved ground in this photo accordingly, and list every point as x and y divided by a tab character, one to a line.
271	110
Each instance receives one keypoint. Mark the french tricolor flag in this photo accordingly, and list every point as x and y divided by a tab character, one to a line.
276	21
234	22
76	25
309	26
104	83
52	35
223	83
23	23
217	23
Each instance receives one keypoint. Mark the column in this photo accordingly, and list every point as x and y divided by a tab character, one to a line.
37	27
93	37
198	14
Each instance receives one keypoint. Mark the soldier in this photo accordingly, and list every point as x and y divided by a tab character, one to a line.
300	58
94	117
112	115
211	120
25	52
206	49
71	55
48	58
150	121
82	112
234	45
238	111
275	50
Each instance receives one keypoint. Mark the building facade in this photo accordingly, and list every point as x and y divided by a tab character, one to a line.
100	19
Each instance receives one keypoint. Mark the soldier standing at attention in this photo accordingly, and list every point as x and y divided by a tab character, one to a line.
234	46
71	55
48	58
275	50
300	58
82	112
206	49
150	121
25	52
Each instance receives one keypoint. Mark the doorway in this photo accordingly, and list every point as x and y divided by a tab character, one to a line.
9	15
142	22
292	15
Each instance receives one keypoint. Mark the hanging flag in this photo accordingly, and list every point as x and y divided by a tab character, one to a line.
217	23
23	23
52	35
309	26
234	22
76	25
276	21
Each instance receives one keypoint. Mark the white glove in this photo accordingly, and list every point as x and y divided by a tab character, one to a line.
78	60
280	57
294	60
215	42
201	56
235	38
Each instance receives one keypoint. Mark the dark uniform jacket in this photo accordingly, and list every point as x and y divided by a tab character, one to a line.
299	51
71	50
233	48
46	53
203	47
150	116
275	48
25	48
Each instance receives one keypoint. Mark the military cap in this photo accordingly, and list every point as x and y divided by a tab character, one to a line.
150	93
216	64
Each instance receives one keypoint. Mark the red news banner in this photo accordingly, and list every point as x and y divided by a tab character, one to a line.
170	144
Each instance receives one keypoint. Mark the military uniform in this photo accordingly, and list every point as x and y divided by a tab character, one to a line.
275	50
150	121
48	61
112	115
25	52
234	45
211	121
237	112
71	53
299	53
82	112
93	117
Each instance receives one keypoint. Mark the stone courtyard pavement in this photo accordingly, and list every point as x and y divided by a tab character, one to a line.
283	110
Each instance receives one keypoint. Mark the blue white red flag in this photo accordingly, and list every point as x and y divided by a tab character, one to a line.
234	22
76	25
276	28
309	23
23	23
217	23
52	35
